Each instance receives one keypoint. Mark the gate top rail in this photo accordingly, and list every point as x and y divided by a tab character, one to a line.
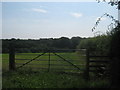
99	56
64	50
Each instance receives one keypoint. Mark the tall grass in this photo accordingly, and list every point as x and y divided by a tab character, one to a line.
28	79
31	79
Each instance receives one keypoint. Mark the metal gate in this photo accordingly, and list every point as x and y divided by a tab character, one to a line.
67	60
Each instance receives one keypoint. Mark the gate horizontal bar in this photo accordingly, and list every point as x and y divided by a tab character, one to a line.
59	68
64	50
97	65
99	61
45	59
50	64
99	56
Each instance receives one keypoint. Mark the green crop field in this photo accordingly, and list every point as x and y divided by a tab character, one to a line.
36	75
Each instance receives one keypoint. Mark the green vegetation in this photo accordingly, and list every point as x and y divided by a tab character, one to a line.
40	68
108	44
43	61
98	44
41	80
28	77
39	45
58	75
115	53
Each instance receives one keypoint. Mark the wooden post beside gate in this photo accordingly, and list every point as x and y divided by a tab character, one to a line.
11	56
87	65
49	62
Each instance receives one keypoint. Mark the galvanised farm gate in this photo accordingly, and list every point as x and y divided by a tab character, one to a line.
63	60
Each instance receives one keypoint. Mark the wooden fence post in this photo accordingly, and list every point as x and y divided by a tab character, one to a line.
49	62
11	56
87	66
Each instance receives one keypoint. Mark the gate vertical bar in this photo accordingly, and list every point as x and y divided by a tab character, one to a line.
49	62
11	56
87	77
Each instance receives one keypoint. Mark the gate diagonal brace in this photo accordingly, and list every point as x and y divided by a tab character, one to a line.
31	60
67	61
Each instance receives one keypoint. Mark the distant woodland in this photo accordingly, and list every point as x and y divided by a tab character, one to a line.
36	45
100	43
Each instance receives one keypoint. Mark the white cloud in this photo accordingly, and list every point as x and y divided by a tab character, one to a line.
39	10
76	15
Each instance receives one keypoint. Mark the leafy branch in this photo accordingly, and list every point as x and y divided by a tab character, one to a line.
107	15
111	2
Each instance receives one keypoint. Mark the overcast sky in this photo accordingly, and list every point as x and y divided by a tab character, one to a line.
53	19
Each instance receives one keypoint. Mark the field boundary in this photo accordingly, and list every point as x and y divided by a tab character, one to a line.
12	58
88	61
98	64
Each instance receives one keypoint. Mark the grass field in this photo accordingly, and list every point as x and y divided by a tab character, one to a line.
32	76
56	63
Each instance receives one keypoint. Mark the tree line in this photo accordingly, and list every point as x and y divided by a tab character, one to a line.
96	45
107	44
38	45
99	43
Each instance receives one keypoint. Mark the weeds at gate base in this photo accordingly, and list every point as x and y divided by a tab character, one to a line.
31	79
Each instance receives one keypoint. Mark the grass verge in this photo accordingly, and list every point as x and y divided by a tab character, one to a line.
32	79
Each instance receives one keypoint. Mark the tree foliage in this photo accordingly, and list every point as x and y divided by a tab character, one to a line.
115	49
99	44
115	53
111	2
39	45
